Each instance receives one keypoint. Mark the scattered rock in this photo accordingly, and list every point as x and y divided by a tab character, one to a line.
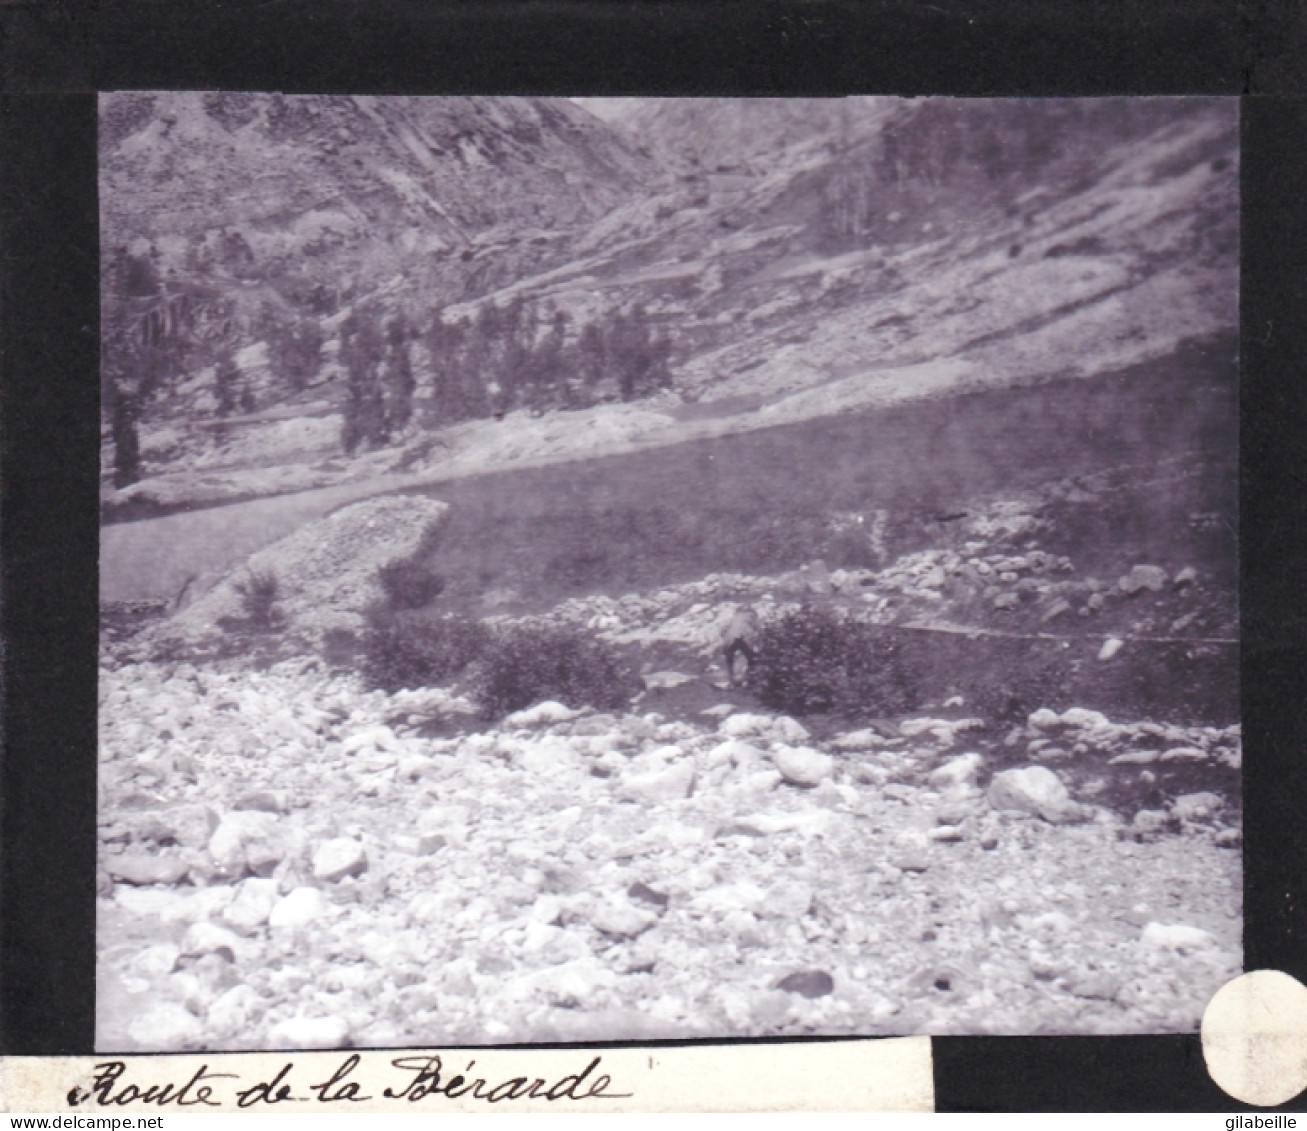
1196	806
298	908
335	859
144	868
424	844
673	783
166	1027
802	765
1175	936
624	920
1143	577
646	894
247	840
1056	609
1034	789
541	714
1095	986
209	938
666	681
255	899
807	983
960	770
263	801
310	1033
1111	646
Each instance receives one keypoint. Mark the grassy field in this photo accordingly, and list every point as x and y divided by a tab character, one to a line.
769	500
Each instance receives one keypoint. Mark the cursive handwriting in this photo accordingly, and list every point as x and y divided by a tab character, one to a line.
425	1077
427	1082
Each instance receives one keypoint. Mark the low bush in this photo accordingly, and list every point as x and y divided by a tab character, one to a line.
409	583
259	598
812	661
400	652
526	664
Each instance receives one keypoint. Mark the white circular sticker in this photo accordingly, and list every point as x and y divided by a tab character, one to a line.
1255	1037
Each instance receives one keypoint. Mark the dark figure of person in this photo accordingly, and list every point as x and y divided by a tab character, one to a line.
741	640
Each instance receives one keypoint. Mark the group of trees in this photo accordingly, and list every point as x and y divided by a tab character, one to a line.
512	358
506	358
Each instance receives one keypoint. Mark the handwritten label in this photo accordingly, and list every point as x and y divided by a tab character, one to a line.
887	1075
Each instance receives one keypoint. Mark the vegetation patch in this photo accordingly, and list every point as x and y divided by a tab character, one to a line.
405	652
526	664
814	661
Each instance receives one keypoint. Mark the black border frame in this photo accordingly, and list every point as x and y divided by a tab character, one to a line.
56	54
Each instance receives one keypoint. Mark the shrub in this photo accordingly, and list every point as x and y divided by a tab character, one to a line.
526	664
812	661
259	598
403	652
409	583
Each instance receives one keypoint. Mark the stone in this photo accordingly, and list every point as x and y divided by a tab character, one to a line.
807	983
255	899
1056	609
298	908
156	961
1134	758
412	767
789	899
744	725
1005	601
190	826
309	1033
166	1027
1033	789
263	801
859	740
666	681
1084	719
542	714
247	840
816	577
624	920
1044	718
1095	603
337	858
232	1012
961	770
375	738
1098	986
1175	936
1111	646
209	938
1186	576
786	729
802	765
671	784
1197	806
645	894
144	868
425	844
1143	577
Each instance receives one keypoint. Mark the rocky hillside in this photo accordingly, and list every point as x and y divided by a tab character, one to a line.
846	254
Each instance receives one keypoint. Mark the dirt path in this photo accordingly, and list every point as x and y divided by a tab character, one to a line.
153	558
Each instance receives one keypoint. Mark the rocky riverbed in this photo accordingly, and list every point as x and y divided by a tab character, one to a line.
288	860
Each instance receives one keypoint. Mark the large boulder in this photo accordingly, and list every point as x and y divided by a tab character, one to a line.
1037	790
